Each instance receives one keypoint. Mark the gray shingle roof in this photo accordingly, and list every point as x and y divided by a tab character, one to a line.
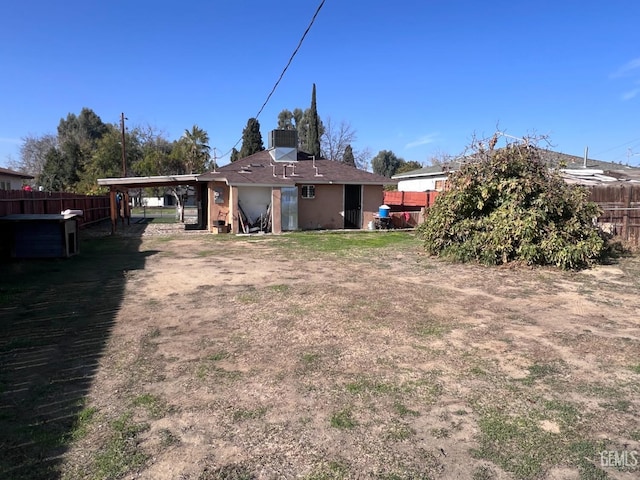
260	169
13	173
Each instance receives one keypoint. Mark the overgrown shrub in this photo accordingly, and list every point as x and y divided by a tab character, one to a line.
506	205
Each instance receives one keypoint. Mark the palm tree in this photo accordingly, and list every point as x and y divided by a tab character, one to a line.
197	154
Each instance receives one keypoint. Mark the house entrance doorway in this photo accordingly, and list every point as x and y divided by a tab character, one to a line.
353	206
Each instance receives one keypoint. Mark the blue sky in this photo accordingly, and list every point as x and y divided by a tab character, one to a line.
419	78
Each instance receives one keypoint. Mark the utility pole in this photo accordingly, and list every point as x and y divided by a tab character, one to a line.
124	152
630	154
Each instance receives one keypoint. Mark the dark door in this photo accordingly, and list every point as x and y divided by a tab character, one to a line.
352	206
202	201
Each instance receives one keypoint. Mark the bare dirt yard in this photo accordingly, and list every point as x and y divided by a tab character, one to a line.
316	356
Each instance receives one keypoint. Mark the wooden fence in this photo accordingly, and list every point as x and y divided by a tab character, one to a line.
94	208
407	208
409	200
620	206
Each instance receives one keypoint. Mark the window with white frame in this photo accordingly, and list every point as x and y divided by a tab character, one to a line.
308	191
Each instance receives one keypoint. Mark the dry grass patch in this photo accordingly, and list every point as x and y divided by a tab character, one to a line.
355	356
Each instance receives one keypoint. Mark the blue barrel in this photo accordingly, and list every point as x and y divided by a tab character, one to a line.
383	211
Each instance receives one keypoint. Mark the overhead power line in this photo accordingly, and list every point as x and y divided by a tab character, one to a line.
313	19
618	146
284	70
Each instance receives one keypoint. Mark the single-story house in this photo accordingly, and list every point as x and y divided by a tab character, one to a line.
283	189
12	180
275	190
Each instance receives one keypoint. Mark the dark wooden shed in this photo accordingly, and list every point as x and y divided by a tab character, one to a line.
39	235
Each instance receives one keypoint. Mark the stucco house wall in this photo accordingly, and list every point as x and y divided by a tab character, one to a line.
325	211
218	206
372	197
10	180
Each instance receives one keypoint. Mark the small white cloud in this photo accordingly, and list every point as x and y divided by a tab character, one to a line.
424	140
10	140
626	68
630	94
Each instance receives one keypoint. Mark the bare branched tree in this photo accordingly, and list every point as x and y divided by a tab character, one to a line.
33	153
363	158
336	138
441	158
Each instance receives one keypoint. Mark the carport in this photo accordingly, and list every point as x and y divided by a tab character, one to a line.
119	206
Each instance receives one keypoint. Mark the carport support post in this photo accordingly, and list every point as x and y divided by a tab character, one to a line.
276	210
126	208
113	209
234	210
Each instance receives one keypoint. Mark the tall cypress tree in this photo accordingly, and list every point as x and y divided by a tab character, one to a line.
251	139
348	157
313	147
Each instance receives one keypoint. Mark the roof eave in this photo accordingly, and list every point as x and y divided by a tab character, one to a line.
124	181
420	175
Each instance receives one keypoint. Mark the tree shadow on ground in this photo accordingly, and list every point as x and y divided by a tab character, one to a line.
56	318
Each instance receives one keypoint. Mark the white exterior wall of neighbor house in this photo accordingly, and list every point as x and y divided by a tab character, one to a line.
9	182
153	201
421	184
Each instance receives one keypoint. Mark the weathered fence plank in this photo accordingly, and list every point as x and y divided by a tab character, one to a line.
620	204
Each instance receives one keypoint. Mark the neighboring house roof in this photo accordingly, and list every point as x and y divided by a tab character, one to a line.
12	173
260	169
564	160
573	169
431	171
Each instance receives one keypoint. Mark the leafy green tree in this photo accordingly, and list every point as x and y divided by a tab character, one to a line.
301	121
348	158
84	129
251	139
286	120
313	142
234	155
506	206
74	163
78	137
105	161
155	153
386	163
56	173
106	158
